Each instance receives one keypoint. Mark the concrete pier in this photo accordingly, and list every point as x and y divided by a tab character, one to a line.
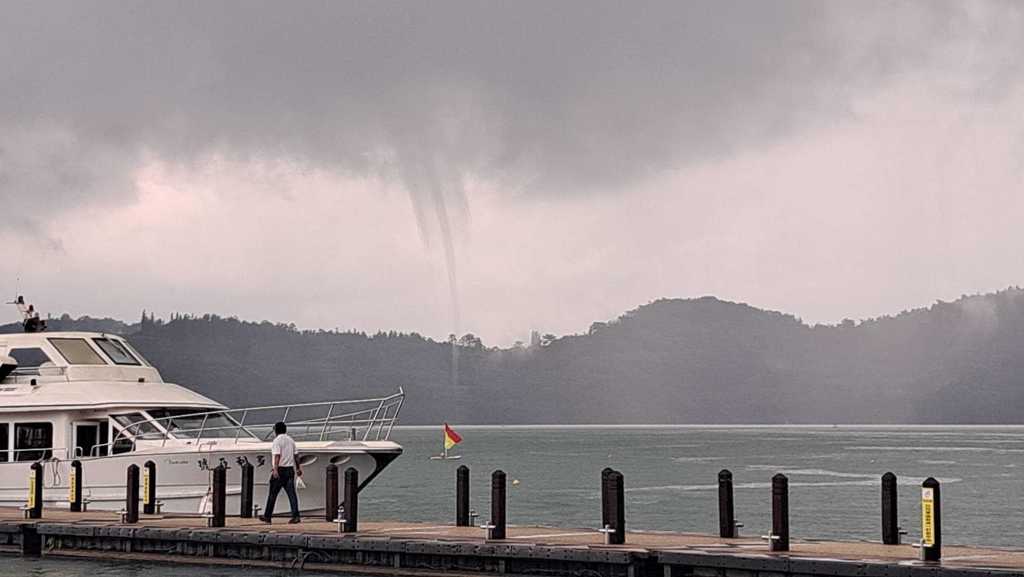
433	549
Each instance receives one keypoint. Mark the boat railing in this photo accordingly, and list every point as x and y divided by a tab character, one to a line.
37	454
355	420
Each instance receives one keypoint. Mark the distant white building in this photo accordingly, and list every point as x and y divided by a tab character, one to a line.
534	339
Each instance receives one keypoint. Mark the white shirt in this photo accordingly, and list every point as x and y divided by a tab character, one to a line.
284	445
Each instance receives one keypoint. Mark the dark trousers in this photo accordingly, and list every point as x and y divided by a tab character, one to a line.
285	480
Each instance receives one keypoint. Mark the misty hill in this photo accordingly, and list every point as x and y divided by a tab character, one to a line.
671	361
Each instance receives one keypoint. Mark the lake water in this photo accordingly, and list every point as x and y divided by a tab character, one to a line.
671	477
671	481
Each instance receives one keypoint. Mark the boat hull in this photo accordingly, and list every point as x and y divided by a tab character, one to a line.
183	478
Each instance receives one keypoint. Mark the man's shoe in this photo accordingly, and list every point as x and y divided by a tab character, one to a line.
265	519
294	520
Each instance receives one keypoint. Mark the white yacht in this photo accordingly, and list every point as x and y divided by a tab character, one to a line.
92	397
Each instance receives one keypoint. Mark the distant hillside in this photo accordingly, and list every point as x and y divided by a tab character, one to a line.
671	361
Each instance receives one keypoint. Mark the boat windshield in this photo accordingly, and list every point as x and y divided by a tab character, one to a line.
77	351
191	423
116	351
137	425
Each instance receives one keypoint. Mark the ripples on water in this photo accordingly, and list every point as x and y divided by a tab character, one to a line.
671	475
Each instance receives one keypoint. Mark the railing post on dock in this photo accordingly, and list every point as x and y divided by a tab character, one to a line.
890	510
220	490
35	491
131	495
779	538
351	500
330	492
726	508
75	487
462	496
617	513
245	499
149	488
498	506
931	521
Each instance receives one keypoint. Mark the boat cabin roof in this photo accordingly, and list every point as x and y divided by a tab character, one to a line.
68	370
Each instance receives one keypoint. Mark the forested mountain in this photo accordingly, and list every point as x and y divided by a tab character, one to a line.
671	361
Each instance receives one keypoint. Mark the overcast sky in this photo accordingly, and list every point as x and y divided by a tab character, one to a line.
541	164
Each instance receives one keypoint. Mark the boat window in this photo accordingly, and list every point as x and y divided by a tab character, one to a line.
138	425
4	441
187	423
122	444
33	441
29	357
77	351
135	353
117	352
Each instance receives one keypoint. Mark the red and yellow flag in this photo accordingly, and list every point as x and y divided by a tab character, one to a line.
451	438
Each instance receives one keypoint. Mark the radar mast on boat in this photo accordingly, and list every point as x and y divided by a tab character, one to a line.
30	316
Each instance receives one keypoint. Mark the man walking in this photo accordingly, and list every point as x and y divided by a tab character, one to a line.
285	468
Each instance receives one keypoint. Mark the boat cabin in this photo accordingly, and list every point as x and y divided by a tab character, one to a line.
68	395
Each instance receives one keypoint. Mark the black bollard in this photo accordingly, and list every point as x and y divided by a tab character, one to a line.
462	496
351	500
35	491
779	539
607	503
245	499
131	495
149	488
931	521
890	510
617	513
726	508
220	491
498	506
330	492
75	487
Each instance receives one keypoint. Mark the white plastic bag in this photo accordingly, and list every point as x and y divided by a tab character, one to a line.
299	483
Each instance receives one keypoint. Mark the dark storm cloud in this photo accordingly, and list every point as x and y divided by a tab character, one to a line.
564	96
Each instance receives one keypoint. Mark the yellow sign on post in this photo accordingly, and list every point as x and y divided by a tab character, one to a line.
145	485
927	517
32	490
73	486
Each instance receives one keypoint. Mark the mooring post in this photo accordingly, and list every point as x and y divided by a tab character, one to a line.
351	500
931	521
617	515
330	492
131	495
496	530
778	540
245	498
890	510
75	487
726	508
220	491
149	488
607	503
34	509
462	496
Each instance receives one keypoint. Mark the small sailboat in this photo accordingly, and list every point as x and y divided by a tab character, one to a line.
451	438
